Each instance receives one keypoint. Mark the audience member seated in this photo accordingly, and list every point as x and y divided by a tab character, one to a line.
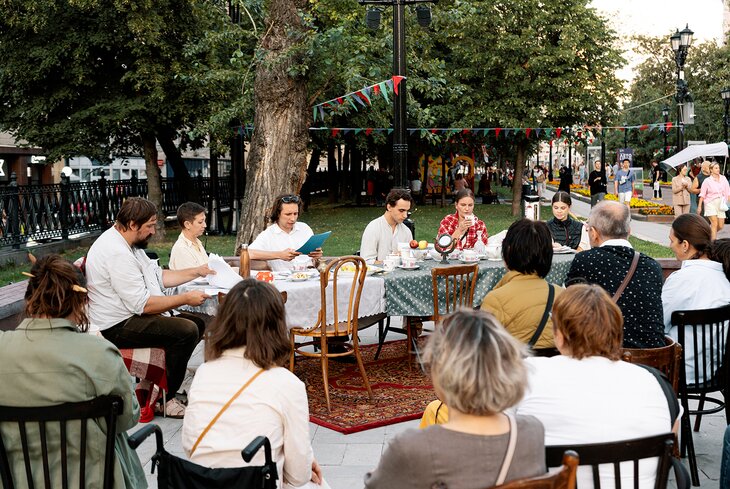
520	300
127	299
49	359
720	252
278	243
608	263
463	225
587	394
699	284
188	251
245	348
477	369
565	230
382	235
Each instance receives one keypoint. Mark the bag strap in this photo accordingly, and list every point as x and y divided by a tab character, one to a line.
667	390
545	315
223	409
627	278
510	450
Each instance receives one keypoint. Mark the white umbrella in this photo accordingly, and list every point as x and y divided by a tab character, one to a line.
697	151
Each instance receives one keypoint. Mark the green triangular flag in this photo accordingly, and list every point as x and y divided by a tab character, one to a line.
384	91
314	113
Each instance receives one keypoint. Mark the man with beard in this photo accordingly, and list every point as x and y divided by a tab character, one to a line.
127	298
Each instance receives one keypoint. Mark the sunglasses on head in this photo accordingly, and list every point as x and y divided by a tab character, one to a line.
290	199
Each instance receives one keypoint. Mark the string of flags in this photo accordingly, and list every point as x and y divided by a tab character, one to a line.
363	97
587	133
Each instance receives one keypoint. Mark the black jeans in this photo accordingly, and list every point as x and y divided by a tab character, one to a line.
177	335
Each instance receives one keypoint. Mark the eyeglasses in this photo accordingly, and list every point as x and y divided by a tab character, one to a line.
290	199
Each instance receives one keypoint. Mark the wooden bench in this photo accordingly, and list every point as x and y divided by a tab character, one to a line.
12	302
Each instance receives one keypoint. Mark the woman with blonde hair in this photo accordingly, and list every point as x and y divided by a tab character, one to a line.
242	391
48	359
714	195
587	394
478	370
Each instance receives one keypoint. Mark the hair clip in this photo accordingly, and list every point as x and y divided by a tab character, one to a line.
28	274
74	287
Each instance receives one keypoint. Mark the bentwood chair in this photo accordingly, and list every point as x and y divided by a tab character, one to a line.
40	446
624	456
344	323
667	359
563	479
455	285
703	335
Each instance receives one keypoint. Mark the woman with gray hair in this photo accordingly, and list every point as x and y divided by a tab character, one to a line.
478	371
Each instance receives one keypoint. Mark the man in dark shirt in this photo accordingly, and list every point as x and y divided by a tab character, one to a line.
598	183
607	264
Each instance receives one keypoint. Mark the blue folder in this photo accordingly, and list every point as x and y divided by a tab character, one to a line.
313	243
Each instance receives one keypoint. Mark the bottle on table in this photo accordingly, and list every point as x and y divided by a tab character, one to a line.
244	269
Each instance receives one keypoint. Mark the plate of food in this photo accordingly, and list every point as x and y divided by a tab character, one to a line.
299	277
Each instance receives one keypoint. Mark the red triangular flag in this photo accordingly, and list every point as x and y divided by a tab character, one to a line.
340	100
669	125
376	89
643	127
434	131
497	131
527	132
368	131
558	131
335	131
396	82
466	131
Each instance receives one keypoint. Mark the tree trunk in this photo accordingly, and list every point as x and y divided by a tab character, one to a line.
517	180
183	182
154	188
277	160
332	174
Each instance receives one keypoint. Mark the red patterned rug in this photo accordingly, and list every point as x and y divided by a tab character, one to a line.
401	391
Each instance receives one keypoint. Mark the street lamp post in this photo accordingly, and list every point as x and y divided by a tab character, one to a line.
725	94
681	42
665	113
372	19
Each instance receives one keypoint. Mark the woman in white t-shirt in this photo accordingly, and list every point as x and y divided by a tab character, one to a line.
587	394
278	243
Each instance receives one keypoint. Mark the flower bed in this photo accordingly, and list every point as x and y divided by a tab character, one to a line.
662	210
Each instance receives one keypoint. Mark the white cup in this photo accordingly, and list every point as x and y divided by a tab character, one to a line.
469	220
300	265
405	254
395	258
389	264
469	255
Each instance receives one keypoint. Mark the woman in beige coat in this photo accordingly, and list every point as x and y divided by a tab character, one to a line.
680	192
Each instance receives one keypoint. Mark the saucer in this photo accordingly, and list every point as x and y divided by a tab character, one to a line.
408	268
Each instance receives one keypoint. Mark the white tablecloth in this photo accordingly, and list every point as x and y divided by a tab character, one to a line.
304	299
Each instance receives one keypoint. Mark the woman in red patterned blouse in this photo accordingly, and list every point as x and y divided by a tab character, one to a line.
463	225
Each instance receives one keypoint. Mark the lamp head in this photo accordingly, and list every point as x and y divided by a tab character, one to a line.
686	37
665	111
725	94
423	15
372	18
676	39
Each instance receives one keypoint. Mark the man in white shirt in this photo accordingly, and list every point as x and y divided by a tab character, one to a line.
382	235
127	299
278	243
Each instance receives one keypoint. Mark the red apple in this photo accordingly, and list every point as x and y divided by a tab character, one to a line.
413	244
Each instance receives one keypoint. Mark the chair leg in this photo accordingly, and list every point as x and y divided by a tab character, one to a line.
688	446
360	365
700	407
291	354
325	373
382	333
409	334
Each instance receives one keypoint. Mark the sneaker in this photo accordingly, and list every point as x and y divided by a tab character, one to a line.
173	409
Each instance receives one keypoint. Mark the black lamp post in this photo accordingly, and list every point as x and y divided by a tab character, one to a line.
665	113
372	19
681	42
725	94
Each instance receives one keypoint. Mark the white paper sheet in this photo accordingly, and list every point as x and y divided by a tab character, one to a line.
225	277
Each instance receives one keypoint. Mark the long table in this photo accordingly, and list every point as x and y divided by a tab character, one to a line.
409	292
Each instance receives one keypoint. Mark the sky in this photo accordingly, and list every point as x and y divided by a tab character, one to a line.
661	18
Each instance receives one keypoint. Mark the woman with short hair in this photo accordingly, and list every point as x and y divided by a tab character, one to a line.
49	359
463	225
700	283
188	251
246	345
521	299
477	369
587	394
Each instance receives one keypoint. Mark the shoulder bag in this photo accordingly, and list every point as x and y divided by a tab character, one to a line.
627	278
545	315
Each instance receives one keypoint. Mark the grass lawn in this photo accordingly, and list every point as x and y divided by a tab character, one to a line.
346	224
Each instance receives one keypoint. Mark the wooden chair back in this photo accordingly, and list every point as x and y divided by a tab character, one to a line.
41	429
612	454
563	479
667	359
344	322
456	285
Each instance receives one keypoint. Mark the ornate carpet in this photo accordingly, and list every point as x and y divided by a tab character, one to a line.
401	390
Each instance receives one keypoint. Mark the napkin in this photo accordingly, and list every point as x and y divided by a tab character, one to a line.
225	277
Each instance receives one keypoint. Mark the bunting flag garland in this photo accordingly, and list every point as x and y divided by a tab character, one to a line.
364	97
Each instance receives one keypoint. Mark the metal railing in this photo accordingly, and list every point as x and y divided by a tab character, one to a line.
57	211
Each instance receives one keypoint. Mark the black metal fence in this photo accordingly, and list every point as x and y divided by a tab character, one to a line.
57	211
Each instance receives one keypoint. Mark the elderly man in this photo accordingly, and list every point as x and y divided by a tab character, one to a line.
382	235
610	262
127	300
